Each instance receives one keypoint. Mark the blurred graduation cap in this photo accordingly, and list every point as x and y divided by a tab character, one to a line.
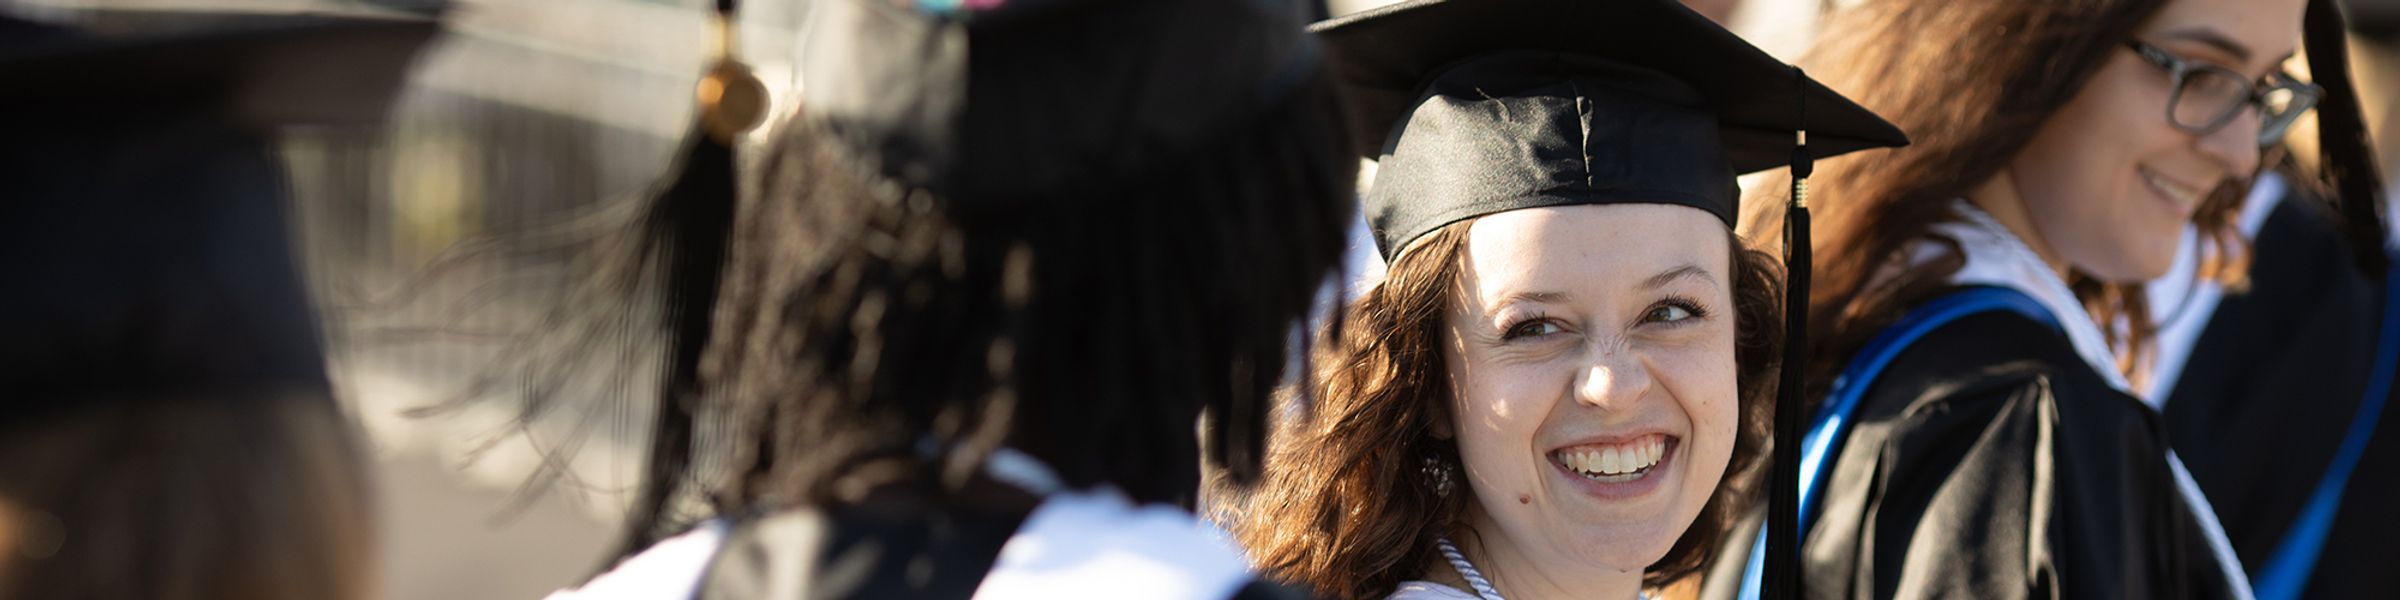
1475	107
143	240
253	70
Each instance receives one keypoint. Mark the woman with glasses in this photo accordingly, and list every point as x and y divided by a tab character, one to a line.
1979	334
2287	363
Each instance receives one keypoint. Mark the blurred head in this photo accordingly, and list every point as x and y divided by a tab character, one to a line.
1512	355
1088	322
2109	181
166	426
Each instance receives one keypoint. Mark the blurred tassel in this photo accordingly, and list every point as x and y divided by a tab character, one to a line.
2346	159
686	232
1783	499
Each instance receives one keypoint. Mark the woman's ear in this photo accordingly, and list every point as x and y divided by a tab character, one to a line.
1442	427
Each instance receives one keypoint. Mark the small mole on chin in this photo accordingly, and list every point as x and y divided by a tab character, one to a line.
1524	499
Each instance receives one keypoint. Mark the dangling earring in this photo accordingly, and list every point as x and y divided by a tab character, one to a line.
1442	473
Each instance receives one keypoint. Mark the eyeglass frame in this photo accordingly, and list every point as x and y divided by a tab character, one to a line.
2304	95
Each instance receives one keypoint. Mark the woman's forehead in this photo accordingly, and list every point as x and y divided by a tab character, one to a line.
2248	35
1590	249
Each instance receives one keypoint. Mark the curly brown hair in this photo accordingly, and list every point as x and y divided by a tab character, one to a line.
1351	505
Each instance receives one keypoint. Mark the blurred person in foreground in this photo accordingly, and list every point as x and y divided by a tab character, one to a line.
1980	433
998	266
1562	386
167	430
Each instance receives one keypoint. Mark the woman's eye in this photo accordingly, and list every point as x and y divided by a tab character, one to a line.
1532	329
1668	314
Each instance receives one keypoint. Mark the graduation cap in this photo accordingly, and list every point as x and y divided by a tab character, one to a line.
254	71
1480	106
1474	107
144	238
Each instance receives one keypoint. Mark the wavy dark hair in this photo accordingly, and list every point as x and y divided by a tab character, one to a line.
861	321
2031	57
1351	505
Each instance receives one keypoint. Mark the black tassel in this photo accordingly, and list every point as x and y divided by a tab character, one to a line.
1783	497
685	232
685	229
2346	161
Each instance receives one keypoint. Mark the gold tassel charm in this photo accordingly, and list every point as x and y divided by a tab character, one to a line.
1800	181
732	100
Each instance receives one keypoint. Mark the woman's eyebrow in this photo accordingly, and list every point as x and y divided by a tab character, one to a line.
1660	280
1542	297
2213	38
1681	272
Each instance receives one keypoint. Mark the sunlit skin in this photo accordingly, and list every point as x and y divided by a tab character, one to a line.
2082	192
1579	324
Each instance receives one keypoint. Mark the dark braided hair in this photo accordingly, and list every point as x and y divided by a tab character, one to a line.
862	320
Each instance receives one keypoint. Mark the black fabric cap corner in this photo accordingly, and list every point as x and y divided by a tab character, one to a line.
256	71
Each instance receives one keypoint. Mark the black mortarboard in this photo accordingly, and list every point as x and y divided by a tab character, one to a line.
1482	106
144	238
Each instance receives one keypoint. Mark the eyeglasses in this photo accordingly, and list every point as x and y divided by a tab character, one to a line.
2208	96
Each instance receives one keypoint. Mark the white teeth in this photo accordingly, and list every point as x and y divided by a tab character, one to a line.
1616	461
1582	461
2181	194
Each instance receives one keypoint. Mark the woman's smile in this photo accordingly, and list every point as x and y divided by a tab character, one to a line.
1625	468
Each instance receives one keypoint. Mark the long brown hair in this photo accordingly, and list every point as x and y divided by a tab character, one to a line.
1352	501
1971	82
188	497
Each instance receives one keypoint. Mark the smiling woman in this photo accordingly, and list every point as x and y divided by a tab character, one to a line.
1561	388
1445	416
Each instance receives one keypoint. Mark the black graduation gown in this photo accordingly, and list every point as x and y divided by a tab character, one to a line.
2271	387
877	550
1990	461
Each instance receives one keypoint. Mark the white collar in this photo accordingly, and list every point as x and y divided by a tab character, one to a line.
1996	257
1097	544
